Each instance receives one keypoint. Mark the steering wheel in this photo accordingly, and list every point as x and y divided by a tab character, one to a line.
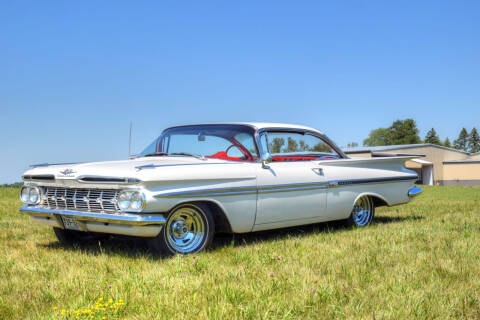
245	156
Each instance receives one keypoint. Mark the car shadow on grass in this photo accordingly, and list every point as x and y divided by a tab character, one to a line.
137	247
244	239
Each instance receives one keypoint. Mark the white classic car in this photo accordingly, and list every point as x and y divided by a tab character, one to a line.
196	180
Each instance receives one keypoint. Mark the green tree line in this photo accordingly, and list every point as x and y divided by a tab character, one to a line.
406	132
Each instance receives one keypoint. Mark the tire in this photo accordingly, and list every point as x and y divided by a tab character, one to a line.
68	237
189	229
362	213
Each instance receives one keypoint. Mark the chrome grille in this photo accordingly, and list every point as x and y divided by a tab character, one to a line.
76	199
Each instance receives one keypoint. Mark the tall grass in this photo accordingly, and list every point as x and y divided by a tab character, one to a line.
419	260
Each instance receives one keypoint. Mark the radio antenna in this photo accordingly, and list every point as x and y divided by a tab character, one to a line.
130	140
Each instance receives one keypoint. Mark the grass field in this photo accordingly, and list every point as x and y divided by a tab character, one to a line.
419	260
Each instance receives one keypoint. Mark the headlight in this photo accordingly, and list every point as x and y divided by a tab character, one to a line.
25	194
131	201
34	195
30	195
124	200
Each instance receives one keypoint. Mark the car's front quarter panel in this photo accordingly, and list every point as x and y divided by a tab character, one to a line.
228	185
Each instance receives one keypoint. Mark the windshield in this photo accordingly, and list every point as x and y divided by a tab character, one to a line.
228	142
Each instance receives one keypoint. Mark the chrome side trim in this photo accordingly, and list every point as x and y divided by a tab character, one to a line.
232	191
314	187
216	192
414	191
153	166
51	164
124	219
346	183
333	184
293	187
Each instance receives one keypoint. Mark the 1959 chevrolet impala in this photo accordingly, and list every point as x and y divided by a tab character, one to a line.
196	180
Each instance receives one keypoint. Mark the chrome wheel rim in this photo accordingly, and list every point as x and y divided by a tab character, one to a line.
185	230
362	211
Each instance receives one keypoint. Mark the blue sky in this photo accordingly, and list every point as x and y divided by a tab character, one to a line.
74	74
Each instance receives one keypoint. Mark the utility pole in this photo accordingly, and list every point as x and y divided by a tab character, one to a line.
130	140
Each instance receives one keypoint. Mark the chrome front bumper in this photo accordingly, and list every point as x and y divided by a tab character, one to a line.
140	225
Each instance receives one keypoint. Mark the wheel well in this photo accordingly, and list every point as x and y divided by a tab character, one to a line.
378	202
221	222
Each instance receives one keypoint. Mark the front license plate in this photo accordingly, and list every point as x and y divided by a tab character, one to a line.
70	224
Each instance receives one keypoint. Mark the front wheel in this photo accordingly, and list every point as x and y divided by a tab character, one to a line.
362	212
189	229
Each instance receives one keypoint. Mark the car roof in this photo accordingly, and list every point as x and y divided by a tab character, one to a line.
258	125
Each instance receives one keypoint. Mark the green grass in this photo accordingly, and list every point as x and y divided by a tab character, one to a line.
419	260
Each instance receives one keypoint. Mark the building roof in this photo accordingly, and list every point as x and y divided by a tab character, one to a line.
464	161
397	147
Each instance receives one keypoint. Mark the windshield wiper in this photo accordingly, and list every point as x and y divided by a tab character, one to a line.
187	154
155	154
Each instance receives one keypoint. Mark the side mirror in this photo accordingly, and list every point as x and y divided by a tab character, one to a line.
266	159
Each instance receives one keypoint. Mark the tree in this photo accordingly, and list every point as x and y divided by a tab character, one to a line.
352	144
461	143
404	132
302	146
321	147
378	137
474	141
400	132
432	137
447	143
292	145
276	145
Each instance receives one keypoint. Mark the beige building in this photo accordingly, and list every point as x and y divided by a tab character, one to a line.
437	165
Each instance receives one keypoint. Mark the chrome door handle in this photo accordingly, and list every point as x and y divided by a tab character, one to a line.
318	171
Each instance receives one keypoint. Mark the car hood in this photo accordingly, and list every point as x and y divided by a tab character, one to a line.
143	169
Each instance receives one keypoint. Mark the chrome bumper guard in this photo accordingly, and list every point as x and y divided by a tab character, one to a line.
141	225
414	191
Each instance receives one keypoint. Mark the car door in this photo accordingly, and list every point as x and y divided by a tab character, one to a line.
292	188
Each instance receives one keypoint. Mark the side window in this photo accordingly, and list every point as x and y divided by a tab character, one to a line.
295	146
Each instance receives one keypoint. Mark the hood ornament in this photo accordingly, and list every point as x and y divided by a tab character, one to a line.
67	172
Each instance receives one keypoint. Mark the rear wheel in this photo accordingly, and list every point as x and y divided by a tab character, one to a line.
362	212
189	229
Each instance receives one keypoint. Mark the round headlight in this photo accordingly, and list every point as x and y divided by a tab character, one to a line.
131	200
124	200
34	195
136	201
25	194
